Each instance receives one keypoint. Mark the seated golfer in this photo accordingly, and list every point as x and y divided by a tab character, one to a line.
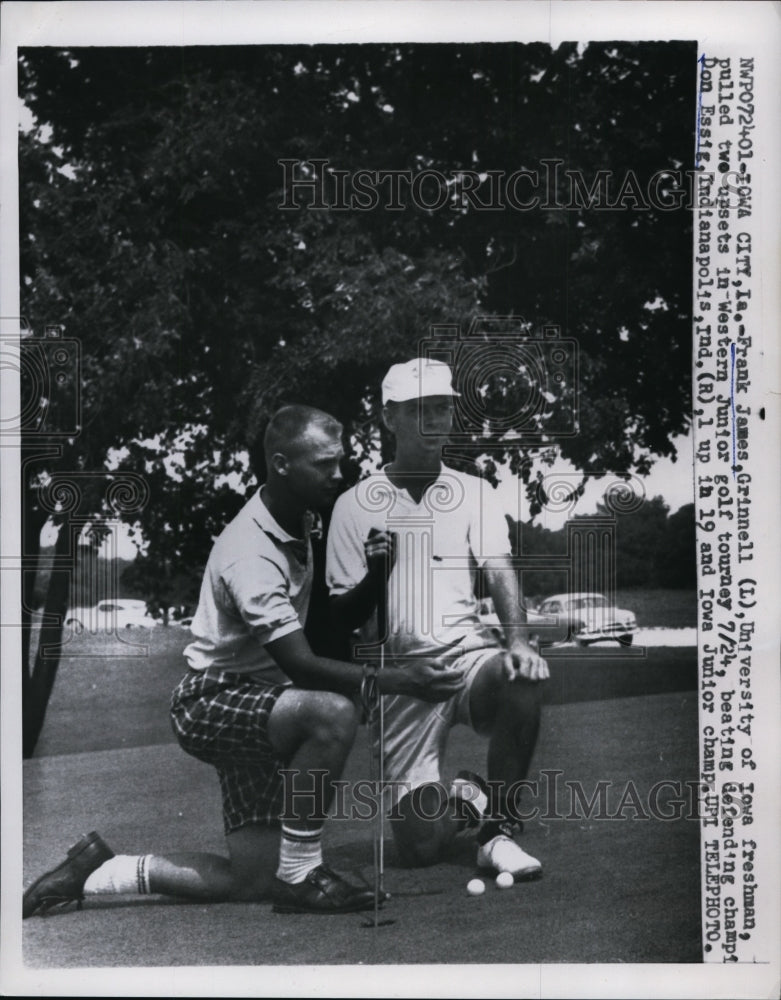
256	700
432	529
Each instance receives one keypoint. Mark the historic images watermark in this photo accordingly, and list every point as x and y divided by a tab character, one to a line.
552	797
317	184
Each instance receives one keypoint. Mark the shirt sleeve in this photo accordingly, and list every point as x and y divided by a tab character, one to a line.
489	532
345	560
260	591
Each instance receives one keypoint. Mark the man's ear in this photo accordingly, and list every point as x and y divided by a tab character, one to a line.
387	417
279	463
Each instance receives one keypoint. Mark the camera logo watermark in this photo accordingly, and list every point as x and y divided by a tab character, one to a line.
513	380
49	371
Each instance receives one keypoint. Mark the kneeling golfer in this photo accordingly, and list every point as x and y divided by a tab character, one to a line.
434	531
260	706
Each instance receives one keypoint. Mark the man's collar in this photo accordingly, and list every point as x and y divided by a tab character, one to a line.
264	519
312	524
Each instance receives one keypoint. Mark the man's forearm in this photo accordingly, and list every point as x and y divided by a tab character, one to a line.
306	669
502	583
356	606
521	661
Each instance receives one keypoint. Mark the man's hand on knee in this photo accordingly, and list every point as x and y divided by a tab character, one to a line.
522	660
431	680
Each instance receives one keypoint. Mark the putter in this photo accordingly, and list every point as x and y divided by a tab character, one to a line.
379	769
378	840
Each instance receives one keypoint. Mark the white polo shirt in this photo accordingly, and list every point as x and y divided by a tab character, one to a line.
442	541
255	589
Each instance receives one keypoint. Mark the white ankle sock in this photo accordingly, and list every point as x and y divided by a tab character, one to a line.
300	851
470	792
124	873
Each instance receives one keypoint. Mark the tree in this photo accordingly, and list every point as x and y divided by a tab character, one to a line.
640	535
151	231
676	561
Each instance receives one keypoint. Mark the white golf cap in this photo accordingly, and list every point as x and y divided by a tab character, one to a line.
416	378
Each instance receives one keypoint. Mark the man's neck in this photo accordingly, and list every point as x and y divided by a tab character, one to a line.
288	514
415	478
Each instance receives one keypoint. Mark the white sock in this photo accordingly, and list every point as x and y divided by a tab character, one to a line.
300	851
124	873
471	793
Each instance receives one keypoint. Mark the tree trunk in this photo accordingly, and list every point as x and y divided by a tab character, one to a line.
36	692
33	520
32	525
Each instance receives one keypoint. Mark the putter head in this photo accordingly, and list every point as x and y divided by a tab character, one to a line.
375	921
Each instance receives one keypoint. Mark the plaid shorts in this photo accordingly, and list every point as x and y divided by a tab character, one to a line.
222	720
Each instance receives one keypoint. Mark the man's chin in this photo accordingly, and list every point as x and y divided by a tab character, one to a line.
432	441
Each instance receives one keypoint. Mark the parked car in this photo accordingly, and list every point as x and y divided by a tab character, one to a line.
589	618
110	615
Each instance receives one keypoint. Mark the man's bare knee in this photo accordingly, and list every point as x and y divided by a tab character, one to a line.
493	696
333	718
300	716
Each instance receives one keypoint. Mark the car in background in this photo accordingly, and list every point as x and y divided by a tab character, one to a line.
589	617
109	616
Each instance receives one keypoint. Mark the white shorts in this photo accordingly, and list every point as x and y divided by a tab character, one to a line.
416	731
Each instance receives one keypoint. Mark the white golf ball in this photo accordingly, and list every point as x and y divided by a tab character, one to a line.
504	880
475	887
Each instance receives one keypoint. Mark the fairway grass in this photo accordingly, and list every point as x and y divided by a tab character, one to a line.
613	890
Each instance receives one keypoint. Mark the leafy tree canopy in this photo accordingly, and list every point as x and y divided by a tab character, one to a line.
151	230
151	233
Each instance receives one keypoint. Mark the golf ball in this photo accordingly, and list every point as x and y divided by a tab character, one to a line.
475	887
504	880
